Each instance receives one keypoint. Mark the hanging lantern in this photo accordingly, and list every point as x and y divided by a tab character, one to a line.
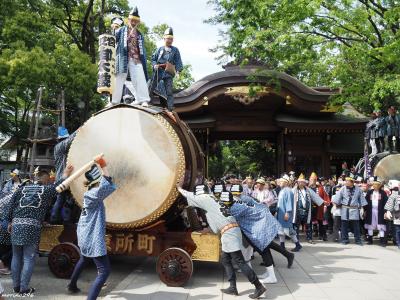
106	77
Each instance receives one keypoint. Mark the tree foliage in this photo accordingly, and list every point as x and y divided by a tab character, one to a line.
242	158
352	44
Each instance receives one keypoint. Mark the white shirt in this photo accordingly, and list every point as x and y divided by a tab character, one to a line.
375	198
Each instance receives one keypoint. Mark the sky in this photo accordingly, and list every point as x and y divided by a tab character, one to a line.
192	36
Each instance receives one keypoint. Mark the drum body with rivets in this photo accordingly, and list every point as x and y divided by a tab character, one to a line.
147	154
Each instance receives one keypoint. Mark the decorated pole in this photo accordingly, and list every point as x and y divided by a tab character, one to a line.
106	77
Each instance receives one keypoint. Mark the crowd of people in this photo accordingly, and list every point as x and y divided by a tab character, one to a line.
250	214
328	204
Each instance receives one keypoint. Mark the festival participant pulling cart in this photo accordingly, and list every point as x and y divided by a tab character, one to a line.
147	154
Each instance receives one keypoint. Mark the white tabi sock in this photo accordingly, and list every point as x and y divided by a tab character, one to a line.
271	276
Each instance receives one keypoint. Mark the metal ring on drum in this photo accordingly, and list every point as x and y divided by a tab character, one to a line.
146	155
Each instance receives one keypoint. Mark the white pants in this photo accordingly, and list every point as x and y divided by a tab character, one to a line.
374	150
139	84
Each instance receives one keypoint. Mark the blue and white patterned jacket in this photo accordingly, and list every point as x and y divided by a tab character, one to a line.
27	210
350	201
285	205
255	221
60	155
381	127
5	237
159	57
392	125
121	60
8	187
91	229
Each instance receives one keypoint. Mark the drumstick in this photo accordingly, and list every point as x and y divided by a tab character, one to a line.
67	182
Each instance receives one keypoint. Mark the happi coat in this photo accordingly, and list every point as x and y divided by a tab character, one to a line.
217	219
91	229
350	201
27	210
121	61
285	205
60	155
255	221
311	197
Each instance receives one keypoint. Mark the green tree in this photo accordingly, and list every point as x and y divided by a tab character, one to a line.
184	79
353	44
242	158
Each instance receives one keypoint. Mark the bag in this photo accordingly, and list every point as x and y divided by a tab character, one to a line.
170	68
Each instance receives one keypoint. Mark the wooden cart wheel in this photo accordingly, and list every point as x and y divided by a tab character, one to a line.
63	258
174	266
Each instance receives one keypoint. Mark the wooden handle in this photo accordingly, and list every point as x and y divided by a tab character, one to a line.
67	182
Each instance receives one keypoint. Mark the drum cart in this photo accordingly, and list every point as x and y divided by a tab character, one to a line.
143	147
175	251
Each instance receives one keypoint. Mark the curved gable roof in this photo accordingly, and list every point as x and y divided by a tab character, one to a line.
241	76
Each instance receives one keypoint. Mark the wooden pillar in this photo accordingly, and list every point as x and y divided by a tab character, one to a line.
326	164
207	150
280	153
35	134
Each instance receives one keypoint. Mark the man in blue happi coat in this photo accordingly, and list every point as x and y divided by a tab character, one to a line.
166	62
284	213
350	199
221	221
25	214
304	197
130	55
64	203
12	184
259	227
393	129
381	131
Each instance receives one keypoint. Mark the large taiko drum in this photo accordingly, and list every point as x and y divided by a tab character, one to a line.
147	154
388	167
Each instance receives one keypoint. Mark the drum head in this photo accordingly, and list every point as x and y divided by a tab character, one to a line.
388	168
145	159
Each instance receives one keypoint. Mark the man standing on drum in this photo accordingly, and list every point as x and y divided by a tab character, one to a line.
166	62
131	55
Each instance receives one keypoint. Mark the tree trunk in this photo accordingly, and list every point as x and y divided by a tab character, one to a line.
102	27
20	150
92	41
